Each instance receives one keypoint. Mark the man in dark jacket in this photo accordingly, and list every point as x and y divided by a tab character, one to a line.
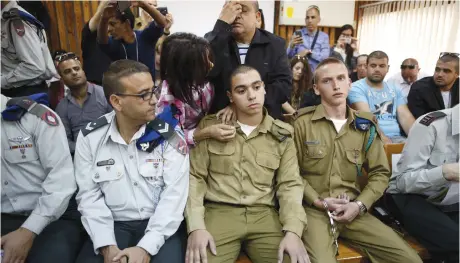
438	92
235	40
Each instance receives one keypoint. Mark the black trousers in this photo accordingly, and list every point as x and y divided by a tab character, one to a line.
128	234
60	241
26	90
434	229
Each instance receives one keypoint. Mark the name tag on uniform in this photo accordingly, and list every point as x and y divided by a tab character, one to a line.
311	142
106	162
156	161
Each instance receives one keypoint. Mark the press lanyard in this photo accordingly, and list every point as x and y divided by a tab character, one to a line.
137	48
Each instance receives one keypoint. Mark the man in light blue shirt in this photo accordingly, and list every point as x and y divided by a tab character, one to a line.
309	41
384	100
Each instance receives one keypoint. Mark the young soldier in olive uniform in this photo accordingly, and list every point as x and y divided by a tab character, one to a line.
234	185
333	143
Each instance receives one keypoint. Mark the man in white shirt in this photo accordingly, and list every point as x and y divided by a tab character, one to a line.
37	184
410	72
427	171
132	192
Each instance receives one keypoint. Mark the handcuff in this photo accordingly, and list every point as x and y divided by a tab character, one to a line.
333	225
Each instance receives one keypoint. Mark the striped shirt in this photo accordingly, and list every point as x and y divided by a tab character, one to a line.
243	50
189	116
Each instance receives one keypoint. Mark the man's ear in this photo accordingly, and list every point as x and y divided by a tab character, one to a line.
229	95
315	88
115	102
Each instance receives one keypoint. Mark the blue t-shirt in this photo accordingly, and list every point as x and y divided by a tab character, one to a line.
142	49
382	102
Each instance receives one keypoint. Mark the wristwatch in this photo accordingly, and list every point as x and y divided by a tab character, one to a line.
362	208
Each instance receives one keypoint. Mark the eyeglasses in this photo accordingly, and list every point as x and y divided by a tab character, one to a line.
407	66
146	96
442	54
65	56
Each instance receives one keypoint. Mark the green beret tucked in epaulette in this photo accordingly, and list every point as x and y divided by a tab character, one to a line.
305	110
281	130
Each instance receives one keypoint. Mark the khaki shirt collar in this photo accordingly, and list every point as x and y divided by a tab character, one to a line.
320	113
263	127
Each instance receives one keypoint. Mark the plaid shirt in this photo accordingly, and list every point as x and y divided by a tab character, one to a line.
189	117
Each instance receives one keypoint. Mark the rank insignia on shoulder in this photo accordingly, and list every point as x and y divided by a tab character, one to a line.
431	117
362	124
94	125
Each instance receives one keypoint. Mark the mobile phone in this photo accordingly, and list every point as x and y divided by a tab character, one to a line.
123	5
163	10
298	33
348	40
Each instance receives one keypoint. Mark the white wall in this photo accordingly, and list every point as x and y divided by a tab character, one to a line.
199	16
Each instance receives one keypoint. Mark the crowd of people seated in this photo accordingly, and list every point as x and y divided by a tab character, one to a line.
160	147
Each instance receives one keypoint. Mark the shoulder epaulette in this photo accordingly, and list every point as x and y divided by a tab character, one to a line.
431	117
305	110
94	125
364	120
281	130
16	108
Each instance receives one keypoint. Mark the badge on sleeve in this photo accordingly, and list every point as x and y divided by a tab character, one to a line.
431	117
50	118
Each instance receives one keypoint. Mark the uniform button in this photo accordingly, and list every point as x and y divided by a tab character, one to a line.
119	174
6	182
131	157
135	183
320	152
307	151
142	209
15	200
97	176
158	246
244	197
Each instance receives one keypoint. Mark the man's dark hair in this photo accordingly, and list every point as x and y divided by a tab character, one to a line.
362	55
377	55
117	70
451	58
185	63
327	61
127	15
241	69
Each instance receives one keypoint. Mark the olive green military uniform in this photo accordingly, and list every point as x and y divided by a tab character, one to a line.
329	164
235	187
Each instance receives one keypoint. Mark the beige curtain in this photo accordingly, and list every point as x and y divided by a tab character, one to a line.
418	29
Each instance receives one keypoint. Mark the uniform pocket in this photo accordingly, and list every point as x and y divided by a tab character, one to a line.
268	164
349	170
109	179
314	162
221	157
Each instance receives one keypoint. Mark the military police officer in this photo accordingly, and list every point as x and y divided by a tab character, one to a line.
132	177
26	59
428	168
333	144
234	185
37	183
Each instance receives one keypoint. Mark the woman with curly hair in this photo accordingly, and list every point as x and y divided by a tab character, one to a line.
185	61
302	93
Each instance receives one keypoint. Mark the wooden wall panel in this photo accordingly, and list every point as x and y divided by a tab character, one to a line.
67	21
69	17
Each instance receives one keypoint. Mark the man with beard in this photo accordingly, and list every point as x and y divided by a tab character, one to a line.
410	72
438	92
85	102
235	40
387	102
